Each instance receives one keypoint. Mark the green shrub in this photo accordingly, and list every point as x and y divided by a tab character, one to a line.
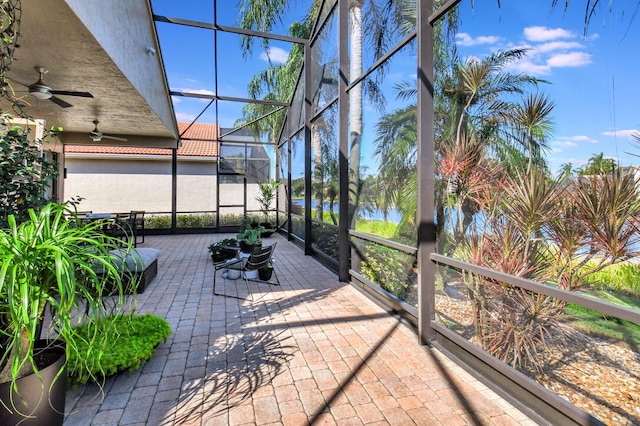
198	220
25	173
158	222
325	239
119	344
391	269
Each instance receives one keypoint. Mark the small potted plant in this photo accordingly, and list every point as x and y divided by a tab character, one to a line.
222	250
250	238
47	260
266	196
266	271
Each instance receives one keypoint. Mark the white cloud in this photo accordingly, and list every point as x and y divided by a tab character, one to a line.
464	39
573	141
182	116
558	45
564	144
540	33
537	65
627	134
571	59
527	66
580	138
545	50
275	55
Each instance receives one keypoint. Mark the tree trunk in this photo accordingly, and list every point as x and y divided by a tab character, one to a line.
355	109
318	172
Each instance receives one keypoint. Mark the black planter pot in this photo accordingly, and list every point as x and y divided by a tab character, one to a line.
269	230
222	255
265	273
41	398
248	248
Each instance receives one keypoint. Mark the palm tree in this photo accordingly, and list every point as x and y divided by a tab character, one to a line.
261	15
566	171
275	83
598	165
474	123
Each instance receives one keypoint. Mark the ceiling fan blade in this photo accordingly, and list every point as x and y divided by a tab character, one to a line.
60	102
115	138
72	93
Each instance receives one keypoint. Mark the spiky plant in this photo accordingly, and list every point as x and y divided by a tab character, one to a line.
51	260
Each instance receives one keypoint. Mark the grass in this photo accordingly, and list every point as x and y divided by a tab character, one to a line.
376	227
606	328
618	284
620	278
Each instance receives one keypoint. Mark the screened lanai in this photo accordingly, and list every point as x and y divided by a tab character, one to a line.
418	158
469	167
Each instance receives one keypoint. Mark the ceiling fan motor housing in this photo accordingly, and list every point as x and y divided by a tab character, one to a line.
40	90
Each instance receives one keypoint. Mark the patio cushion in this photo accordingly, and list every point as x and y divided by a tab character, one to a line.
137	259
140	264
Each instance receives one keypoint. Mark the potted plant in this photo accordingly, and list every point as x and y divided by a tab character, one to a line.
266	271
250	238
47	260
266	196
222	250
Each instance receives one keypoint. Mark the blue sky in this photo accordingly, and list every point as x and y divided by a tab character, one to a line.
592	78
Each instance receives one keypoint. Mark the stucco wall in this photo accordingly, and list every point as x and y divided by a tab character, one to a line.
112	185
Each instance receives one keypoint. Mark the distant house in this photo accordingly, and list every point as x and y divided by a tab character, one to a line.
120	179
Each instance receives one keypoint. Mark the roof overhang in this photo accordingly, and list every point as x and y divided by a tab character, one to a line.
108	48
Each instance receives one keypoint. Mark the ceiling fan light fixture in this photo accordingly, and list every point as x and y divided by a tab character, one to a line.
40	91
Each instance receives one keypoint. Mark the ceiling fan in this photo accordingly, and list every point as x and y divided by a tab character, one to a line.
41	91
96	135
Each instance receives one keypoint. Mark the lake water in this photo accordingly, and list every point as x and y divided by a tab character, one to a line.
393	216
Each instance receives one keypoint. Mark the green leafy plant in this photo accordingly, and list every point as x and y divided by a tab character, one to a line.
392	269
268	192
114	344
25	172
50	260
268	265
251	236
220	250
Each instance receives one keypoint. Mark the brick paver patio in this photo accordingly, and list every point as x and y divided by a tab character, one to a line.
312	351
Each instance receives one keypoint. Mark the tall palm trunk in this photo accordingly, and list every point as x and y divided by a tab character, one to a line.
355	109
318	172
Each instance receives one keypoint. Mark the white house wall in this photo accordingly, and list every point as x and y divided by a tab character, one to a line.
196	185
111	185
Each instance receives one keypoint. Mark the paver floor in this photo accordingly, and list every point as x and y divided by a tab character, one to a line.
311	351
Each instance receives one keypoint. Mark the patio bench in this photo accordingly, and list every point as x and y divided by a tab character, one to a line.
139	264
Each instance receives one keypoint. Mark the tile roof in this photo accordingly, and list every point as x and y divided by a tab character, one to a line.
199	140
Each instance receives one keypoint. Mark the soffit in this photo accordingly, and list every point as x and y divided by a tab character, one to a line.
108	48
